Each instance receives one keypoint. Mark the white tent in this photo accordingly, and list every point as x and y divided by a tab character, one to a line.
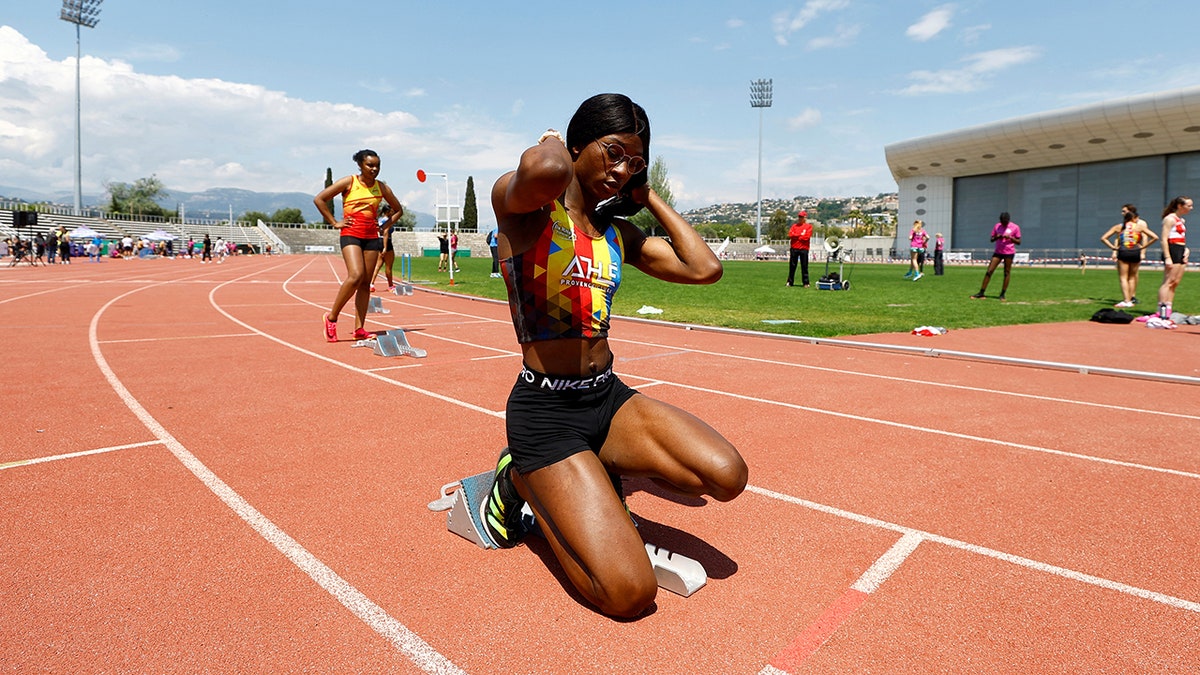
764	249
83	232
160	235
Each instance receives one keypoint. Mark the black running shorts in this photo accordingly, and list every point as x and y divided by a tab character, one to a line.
1176	252
550	418
1129	255
375	244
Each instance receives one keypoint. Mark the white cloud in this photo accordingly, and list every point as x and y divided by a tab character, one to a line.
809	117
786	23
931	24
735	23
971	34
195	134
971	77
842	37
152	52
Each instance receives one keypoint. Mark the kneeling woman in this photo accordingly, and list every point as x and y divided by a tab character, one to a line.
573	427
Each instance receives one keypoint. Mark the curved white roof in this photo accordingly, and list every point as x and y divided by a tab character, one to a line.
1137	126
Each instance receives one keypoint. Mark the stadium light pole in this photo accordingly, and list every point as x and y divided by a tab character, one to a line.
760	97
80	13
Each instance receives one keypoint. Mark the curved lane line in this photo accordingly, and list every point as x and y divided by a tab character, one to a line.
408	642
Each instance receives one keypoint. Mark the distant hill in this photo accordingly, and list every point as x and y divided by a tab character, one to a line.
212	203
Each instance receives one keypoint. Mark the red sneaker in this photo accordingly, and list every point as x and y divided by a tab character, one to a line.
362	334
330	329
372	288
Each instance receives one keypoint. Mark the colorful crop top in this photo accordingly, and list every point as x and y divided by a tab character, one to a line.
360	210
1129	238
563	286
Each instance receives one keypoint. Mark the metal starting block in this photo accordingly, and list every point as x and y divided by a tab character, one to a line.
463	499
402	289
392	343
376	306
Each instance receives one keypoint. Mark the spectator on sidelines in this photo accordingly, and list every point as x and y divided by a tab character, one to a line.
918	239
800	236
1129	239
1007	236
1175	252
939	253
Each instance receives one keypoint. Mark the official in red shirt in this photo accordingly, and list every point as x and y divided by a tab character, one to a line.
800	234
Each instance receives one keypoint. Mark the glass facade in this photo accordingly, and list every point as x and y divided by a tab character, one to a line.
1069	207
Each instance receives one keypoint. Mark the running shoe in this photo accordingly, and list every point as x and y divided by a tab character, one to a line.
362	334
1002	298
330	329
977	296
908	274
1124	303
918	276
391	287
1133	300
372	288
501	509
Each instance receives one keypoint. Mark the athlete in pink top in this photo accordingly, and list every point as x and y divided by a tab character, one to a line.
1007	236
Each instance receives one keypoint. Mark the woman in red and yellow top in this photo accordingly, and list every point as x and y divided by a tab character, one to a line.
573	427
360	240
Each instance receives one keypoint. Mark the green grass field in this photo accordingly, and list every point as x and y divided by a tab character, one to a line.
880	300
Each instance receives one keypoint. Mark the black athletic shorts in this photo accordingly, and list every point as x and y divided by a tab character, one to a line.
1129	255
1004	257
550	418
1176	252
374	244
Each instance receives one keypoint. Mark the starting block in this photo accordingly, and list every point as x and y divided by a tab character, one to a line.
392	343
464	498
376	306
402	289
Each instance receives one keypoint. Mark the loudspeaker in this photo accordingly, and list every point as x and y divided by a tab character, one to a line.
24	219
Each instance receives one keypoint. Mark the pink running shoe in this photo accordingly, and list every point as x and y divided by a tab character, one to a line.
362	334
372	288
330	329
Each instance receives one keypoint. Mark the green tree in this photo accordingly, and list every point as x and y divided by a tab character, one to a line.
830	209
286	215
138	199
407	221
253	217
777	227
328	182
470	214
658	182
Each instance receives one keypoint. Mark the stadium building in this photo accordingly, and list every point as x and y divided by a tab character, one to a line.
1063	175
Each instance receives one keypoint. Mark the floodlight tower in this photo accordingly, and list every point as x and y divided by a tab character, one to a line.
760	97
80	13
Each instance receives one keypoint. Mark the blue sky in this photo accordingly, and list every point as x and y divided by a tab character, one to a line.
264	95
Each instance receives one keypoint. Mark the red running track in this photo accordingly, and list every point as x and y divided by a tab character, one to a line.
193	480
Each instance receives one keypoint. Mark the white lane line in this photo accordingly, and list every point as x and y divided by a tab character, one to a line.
790	364
408	642
889	562
181	337
980	550
1108	584
904	380
72	455
341	364
940	432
